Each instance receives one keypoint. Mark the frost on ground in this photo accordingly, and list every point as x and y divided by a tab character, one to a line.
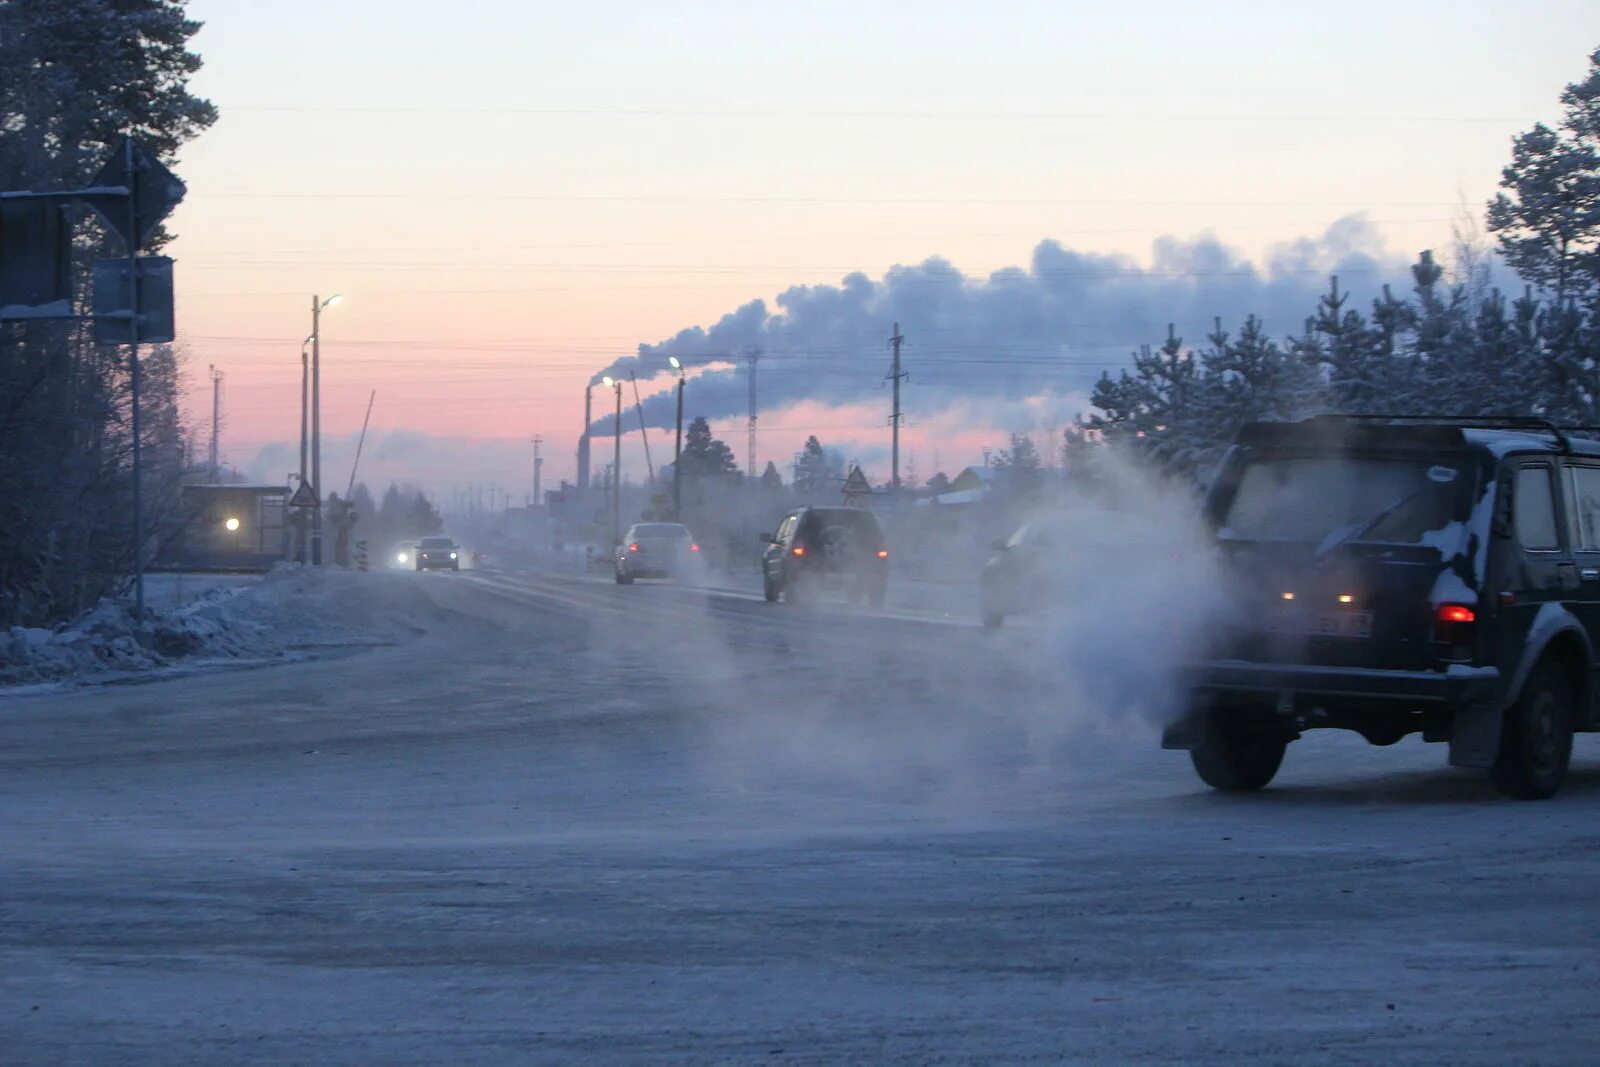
290	612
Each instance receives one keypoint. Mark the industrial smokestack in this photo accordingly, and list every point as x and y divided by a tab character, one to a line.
583	442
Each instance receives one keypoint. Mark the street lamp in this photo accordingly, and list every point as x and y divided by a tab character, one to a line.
616	467
304	531
317	304
677	447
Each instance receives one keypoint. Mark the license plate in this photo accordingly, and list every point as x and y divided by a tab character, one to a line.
1324	623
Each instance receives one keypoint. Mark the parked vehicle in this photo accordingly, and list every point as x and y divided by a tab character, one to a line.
1433	576
1039	565
656	550
438	553
826	549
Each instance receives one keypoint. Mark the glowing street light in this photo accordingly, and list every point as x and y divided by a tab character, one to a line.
232	525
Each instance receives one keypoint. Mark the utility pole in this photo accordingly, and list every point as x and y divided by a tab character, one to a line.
133	379
361	443
895	375
216	416
317	306
538	465
644	434
316	429
677	447
750	445
304	524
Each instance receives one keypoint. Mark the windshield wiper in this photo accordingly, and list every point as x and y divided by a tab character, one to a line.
1345	534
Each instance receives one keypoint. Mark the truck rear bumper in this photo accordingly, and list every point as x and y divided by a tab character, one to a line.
1458	685
1381	704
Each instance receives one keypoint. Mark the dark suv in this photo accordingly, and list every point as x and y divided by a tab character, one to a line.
816	549
1397	576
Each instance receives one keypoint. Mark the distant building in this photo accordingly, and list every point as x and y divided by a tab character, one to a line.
228	527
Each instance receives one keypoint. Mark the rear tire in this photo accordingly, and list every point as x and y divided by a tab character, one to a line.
769	590
1235	760
794	591
624	579
1536	738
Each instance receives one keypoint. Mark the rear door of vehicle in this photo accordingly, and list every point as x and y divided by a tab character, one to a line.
1338	594
1537	569
1581	481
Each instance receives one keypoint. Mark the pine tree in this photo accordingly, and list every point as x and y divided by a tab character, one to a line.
74	76
705	456
1547	215
811	470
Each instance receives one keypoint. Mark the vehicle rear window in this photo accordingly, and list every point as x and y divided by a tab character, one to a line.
660	529
1325	500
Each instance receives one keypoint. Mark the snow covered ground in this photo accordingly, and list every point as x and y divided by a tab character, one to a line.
570	821
200	622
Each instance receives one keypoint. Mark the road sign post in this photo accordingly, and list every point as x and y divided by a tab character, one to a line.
132	194
857	489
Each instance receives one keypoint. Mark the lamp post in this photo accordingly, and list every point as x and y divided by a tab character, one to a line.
677	447
616	467
317	304
305	405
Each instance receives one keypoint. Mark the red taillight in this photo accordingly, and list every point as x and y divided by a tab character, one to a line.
1456	613
694	548
798	550
883	553
633	547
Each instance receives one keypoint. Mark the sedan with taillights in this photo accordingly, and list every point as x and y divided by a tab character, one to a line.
657	550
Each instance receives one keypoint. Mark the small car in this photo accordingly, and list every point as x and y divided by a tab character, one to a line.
817	549
656	550
1428	575
438	553
1037	567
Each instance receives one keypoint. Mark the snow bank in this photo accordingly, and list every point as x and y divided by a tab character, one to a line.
291	612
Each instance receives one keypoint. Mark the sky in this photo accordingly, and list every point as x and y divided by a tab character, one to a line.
511	197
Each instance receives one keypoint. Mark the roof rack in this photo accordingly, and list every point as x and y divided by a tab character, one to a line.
1487	422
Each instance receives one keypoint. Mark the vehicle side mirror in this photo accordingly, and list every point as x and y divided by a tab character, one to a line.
768	538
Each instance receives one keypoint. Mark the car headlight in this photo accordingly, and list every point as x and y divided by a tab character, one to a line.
452	555
402	557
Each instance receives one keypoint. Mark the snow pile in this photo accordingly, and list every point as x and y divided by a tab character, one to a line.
291	612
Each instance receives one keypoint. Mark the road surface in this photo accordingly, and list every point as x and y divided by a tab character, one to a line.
582	823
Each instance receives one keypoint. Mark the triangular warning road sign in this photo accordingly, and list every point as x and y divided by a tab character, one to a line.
304	497
856	483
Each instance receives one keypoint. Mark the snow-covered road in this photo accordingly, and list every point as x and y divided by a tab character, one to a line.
582	822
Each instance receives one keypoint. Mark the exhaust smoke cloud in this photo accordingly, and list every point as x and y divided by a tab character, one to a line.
1051	327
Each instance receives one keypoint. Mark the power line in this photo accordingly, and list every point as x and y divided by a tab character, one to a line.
770	114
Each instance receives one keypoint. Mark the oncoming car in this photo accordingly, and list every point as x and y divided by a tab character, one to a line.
437	553
656	550
1432	576
826	549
